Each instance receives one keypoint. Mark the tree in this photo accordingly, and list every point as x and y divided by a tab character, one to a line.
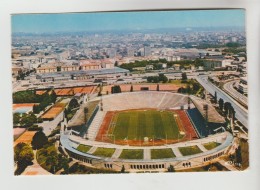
184	77
123	169
23	155
221	104
53	96
73	103
28	120
36	109
59	68
39	140
238	155
158	87
16	118
227	106
182	90
232	112
52	160
171	168
188	89
115	89
163	78
131	89
215	97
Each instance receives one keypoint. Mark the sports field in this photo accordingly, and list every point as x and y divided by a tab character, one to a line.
138	124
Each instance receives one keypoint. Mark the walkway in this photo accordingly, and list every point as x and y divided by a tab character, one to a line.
95	124
226	139
147	154
227	165
35	169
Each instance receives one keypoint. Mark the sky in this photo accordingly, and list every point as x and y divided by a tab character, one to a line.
72	22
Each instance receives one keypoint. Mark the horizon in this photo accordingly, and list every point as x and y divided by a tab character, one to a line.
127	21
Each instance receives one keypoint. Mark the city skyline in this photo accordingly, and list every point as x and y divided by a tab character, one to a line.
145	20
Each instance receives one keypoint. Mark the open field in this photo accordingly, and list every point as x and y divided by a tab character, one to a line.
189	150
83	148
132	154
211	145
138	124
104	152
26	137
162	153
54	111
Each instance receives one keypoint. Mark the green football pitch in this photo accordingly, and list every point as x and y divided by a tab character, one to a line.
137	124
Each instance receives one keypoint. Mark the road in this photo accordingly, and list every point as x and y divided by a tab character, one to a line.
241	112
234	93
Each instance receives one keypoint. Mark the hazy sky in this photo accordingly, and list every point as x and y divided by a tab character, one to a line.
126	20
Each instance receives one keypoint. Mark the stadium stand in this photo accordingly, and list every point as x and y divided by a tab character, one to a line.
198	122
137	100
95	124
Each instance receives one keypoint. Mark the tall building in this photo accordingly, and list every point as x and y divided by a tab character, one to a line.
130	52
111	52
147	50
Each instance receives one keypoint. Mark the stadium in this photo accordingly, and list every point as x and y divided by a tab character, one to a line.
149	131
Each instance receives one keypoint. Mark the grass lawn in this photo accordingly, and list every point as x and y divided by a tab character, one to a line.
212	167
78	168
189	150
244	153
162	153
83	148
104	152
211	145
132	154
179	82
43	154
135	125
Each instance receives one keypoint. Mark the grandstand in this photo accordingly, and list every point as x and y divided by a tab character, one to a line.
138	100
199	123
120	135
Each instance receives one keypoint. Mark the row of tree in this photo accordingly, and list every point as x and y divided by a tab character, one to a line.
25	120
46	99
70	110
192	87
226	108
157	79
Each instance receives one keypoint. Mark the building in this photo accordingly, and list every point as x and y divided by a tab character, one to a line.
130	52
107	64
16	71
47	69
147	51
242	86
111	52
91	66
69	68
149	67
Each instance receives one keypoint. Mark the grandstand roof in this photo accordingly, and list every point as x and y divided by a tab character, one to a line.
213	115
115	70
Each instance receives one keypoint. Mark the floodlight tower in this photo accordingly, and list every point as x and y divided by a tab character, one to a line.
101	103
189	101
206	108
206	94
